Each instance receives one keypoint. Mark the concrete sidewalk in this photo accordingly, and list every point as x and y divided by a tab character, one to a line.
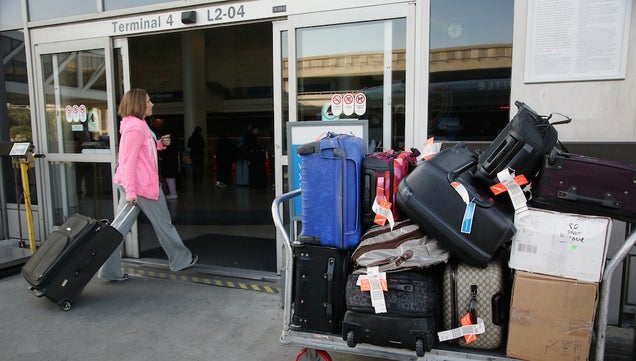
146	319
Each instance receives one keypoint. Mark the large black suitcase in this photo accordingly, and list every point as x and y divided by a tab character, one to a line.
520	146
413	333
410	293
574	183
320	276
428	196
69	257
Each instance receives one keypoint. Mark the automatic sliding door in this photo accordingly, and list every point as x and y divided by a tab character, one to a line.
76	128
371	62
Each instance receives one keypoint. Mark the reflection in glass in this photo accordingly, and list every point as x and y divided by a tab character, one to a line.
470	67
350	58
84	188
125	4
14	84
285	86
76	103
47	9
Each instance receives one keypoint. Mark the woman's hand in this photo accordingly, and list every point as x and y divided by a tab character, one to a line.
131	201
165	140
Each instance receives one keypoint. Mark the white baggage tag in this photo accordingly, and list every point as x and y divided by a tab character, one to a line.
515	193
377	295
385	212
458	332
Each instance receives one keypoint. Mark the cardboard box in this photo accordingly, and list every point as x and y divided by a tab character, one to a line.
561	244
551	318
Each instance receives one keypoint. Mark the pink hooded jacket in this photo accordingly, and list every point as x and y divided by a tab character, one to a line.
137	170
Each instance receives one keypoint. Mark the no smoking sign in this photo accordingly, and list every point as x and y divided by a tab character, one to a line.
348	104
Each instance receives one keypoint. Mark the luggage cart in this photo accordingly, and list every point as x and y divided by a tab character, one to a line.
317	345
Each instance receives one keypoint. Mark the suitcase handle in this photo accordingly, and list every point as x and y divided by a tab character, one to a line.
475	196
329	276
123	215
498	309
571	194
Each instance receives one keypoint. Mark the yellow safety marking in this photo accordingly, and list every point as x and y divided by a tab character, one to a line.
259	287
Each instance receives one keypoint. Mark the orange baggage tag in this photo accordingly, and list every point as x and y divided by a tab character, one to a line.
500	188
465	321
379	218
365	284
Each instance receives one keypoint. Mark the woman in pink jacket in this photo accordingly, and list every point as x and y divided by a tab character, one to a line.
137	179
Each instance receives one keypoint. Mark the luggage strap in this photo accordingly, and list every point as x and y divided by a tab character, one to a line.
329	276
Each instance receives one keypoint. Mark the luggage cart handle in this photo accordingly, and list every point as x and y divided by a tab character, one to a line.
276	215
289	264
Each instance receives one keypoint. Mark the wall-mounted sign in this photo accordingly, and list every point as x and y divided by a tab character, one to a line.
299	133
576	40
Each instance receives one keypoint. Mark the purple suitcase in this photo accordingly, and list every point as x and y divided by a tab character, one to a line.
581	184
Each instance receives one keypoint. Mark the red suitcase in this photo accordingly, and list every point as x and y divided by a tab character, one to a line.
574	183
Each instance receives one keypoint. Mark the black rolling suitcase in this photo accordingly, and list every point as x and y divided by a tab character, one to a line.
574	183
413	303
520	146
430	196
320	276
70	256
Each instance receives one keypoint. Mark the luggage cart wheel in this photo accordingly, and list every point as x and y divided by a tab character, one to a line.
351	340
65	306
320	356
419	347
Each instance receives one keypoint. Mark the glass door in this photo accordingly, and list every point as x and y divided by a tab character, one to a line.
366	53
76	128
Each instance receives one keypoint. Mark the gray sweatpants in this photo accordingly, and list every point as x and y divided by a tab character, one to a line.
179	256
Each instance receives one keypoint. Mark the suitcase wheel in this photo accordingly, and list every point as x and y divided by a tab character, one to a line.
419	347
65	305
351	340
320	356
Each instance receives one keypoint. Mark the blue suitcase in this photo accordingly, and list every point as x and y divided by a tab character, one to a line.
330	182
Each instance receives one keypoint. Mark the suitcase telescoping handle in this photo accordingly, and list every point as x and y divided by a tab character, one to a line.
476	197
123	215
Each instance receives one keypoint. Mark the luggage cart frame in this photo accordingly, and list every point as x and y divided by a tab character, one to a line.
316	345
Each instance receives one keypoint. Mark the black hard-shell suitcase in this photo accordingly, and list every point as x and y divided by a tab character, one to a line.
320	276
427	197
69	257
520	146
410	293
413	333
483	293
574	183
